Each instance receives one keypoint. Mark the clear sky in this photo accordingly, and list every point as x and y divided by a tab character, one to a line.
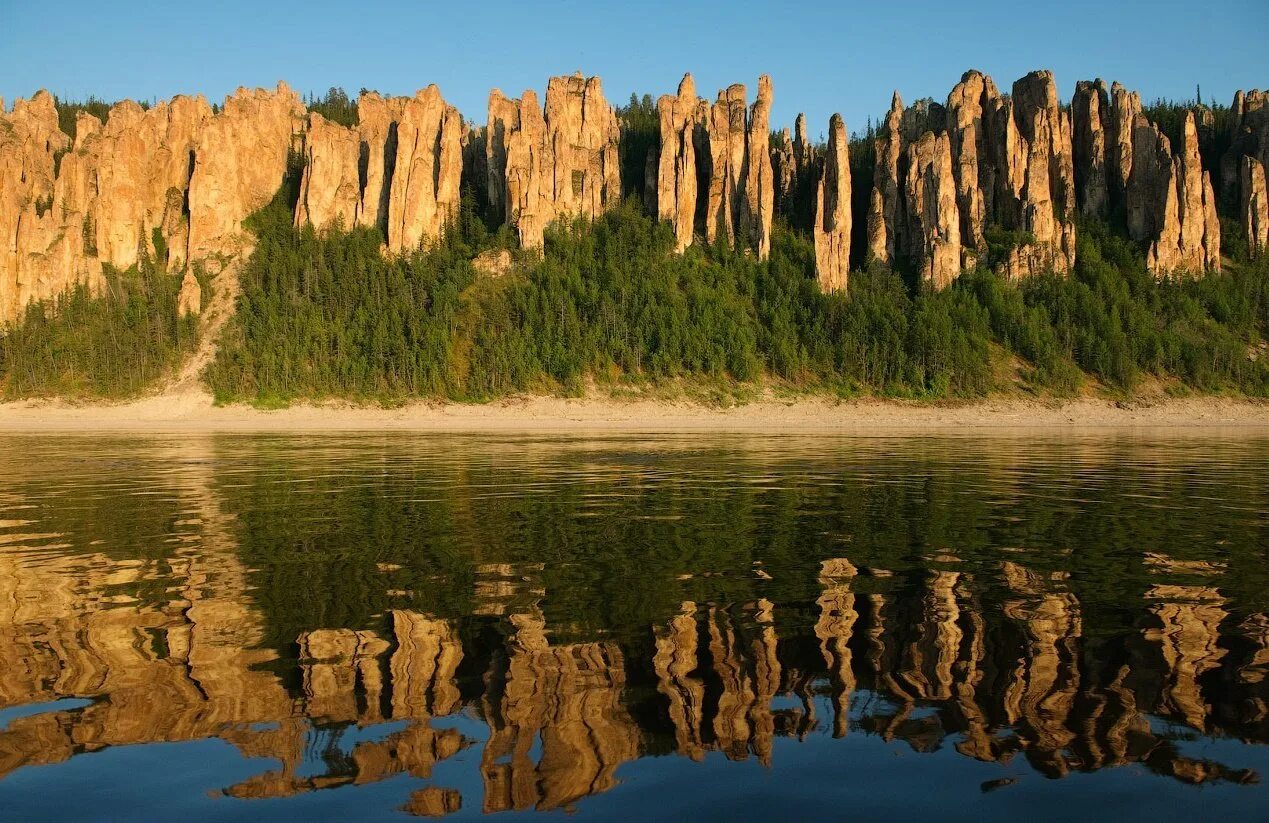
822	56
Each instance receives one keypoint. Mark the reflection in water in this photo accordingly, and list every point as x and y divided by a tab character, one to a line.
355	610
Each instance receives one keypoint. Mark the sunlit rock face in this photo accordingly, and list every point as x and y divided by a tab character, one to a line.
682	119
556	162
832	227
330	190
240	160
933	220
39	257
1254	204
424	194
1090	111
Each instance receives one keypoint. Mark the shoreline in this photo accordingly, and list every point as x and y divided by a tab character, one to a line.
195	412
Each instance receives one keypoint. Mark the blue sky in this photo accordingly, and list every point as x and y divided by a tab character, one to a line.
822	56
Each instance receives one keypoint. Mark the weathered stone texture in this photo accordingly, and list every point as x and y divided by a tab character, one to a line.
1125	106
39	257
759	182
377	120
424	194
1090	109
969	109
725	129
240	161
831	231
1254	208
190	300
559	162
883	206
933	234
330	191
1040	198
681	117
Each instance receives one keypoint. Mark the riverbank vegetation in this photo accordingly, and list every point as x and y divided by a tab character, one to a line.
610	305
111	344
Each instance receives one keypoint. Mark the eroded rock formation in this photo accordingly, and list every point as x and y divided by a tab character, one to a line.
1170	201
175	181
831	231
240	160
424	193
970	107
741	180
883	205
330	191
759	182
1090	110
1039	192
933	227
681	117
913	217
1255	206
557	162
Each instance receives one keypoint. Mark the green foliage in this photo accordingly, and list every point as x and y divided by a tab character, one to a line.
640	134
336	107
329	316
1001	242
109	346
68	111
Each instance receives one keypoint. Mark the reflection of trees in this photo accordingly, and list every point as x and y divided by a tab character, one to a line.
580	657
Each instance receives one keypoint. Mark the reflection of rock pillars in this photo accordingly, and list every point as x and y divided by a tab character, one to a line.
433	802
423	666
569	697
743	718
834	628
1046	681
674	662
978	742
1190	617
1107	742
414	750
333	662
927	663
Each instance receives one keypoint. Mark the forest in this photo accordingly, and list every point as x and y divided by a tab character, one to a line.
609	307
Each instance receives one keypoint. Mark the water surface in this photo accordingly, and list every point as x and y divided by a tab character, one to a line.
264	627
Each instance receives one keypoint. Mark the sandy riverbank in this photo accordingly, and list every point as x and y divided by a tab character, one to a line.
195	412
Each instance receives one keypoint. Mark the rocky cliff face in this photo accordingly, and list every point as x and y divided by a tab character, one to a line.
558	162
1171	203
682	117
240	160
831	231
1255	206
1242	183
913	217
177	181
759	181
883	205
742	182
1090	111
38	256
399	169
933	220
1039	192
330	191
424	193
970	107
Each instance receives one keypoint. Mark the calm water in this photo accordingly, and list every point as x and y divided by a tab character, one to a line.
238	627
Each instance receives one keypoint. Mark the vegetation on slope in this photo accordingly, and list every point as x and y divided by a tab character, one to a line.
324	316
109	346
